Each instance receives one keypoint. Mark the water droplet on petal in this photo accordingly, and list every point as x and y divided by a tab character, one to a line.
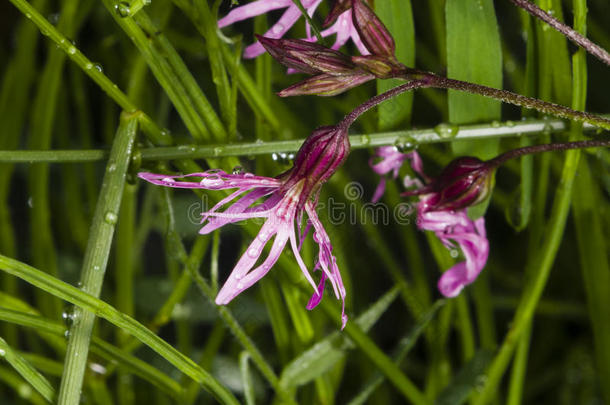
277	29
212	181
168	180
253	253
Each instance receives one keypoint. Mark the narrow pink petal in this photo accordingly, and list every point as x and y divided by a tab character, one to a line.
453	280
211	180
231	287
252	10
241	206
297	256
274	254
278	30
379	191
326	258
316	297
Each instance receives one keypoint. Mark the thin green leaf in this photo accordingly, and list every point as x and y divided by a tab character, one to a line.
246	378
474	54
77	297
466	380
404	347
27	371
322	356
396	15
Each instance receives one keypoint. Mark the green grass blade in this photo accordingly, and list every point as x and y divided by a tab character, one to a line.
27	371
86	301
398	19
474	54
96	257
322	356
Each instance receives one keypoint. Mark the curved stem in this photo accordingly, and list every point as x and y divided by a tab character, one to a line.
580	40
547	147
512	98
367	105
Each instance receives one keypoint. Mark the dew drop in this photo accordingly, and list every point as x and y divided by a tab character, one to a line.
365	139
510	123
31	202
237	277
277	29
446	131
496	124
69	316
123	9
168	180
214	181
454	253
237	170
89	66
72	50
111	168
253	253
2	352
218	150
240	286
248	175
110	218
67	334
98	67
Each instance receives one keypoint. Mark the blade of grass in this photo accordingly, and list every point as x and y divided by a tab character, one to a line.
158	136
404	347
103	310
474	54
543	261
96	257
398	19
27	371
45	328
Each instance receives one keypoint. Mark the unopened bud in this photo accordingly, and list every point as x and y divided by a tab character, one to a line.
371	30
463	183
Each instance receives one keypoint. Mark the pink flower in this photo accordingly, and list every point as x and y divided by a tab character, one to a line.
389	160
343	27
443	209
282	201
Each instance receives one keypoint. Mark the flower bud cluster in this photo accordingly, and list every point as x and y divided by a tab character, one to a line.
335	72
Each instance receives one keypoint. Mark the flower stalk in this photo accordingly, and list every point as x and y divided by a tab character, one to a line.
571	34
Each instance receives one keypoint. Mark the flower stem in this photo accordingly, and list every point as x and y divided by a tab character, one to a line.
547	147
506	96
349	119
574	36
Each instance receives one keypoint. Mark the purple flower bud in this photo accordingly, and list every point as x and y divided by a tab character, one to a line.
307	57
373	33
463	183
380	66
326	84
